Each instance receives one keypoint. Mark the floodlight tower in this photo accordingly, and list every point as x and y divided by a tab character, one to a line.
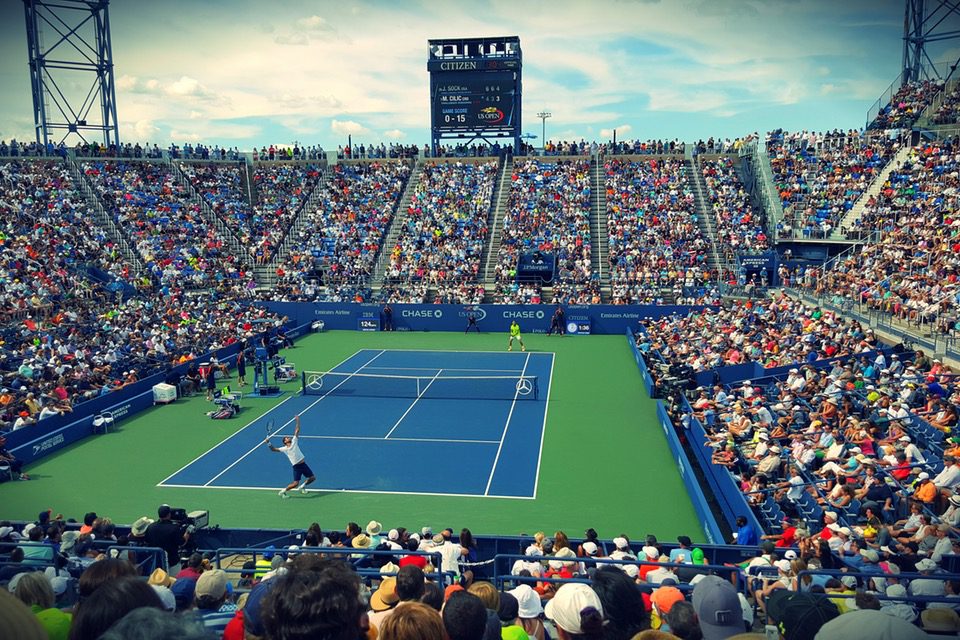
925	22
71	70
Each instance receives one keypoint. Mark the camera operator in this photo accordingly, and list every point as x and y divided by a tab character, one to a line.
169	536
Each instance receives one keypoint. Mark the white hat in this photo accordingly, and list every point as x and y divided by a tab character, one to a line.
782	565
566	607
926	565
790	554
923	476
844	530
374	528
849	581
650	552
904	438
393	535
621	543
764	436
590	548
529	601
533	550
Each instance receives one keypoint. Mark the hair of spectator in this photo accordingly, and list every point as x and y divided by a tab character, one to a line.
622	602
466	538
560	540
487	593
109	603
432	596
147	623
102	572
682	619
464	617
410	585
321	604
866	600
34	589
18	621
413	621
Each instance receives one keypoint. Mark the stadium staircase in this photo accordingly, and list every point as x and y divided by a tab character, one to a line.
495	229
856	212
211	216
765	189
249	186
925	121
598	229
705	219
106	221
395	226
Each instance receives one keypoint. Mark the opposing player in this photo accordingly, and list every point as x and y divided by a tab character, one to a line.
558	323
515	333
291	449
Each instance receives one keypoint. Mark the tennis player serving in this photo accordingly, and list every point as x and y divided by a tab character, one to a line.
291	449
515	333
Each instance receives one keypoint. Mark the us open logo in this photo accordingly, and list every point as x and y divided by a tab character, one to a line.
479	314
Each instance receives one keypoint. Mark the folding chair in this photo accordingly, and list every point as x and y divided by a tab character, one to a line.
102	422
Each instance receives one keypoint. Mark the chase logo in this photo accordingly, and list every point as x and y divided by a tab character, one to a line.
523	315
479	313
422	313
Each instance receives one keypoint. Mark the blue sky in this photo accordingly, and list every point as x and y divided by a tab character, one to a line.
244	72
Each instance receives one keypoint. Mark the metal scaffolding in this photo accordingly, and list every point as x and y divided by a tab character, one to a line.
926	22
71	71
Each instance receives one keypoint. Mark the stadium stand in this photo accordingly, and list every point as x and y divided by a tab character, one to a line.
654	240
175	242
948	111
739	229
910	273
906	105
445	228
820	176
548	211
338	242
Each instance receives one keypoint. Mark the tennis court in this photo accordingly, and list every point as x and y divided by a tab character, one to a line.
394	421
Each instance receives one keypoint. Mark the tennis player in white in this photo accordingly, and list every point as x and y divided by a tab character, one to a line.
291	449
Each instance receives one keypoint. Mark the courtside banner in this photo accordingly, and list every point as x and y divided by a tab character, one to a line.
532	318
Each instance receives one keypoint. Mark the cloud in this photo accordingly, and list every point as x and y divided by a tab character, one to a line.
394	134
348	127
185	136
622	131
292	39
187	86
314	23
195	115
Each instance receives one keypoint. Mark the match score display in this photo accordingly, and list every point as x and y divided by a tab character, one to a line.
474	100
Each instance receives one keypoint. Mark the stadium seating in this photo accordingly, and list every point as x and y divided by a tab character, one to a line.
909	273
445	229
821	176
548	210
654	240
339	242
906	105
739	229
176	243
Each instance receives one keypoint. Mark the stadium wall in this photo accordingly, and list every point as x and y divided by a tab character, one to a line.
711	530
533	318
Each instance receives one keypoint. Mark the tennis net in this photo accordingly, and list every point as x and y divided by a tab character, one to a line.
332	383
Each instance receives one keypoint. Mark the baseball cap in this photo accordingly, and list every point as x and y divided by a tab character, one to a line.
718	608
621	543
590	548
252	618
569	604
873	624
799	616
665	598
212	583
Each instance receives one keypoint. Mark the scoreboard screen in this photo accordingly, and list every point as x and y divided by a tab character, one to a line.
473	100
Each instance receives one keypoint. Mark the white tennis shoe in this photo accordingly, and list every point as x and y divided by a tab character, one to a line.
283	494
303	489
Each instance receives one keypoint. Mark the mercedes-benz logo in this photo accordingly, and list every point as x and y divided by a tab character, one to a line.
524	386
315	382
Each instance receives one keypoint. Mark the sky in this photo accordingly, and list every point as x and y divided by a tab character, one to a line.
250	73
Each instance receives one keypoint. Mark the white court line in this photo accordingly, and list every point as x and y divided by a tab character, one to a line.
442	440
413	404
506	353
244	427
506	427
304	410
543	429
391	493
445	369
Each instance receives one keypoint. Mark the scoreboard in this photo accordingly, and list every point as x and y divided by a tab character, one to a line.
467	101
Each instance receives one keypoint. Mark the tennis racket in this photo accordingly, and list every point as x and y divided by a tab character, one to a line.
269	429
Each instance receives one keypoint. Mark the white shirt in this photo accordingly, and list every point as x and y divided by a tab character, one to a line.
949	478
293	453
449	556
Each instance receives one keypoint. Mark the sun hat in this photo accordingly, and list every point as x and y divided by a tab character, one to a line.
570	603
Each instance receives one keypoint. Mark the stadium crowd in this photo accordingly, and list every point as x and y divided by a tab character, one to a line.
177	245
906	105
820	176
445	228
948	111
653	236
61	582
548	210
339	242
738	230
911	272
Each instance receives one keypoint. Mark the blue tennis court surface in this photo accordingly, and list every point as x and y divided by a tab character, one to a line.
443	435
